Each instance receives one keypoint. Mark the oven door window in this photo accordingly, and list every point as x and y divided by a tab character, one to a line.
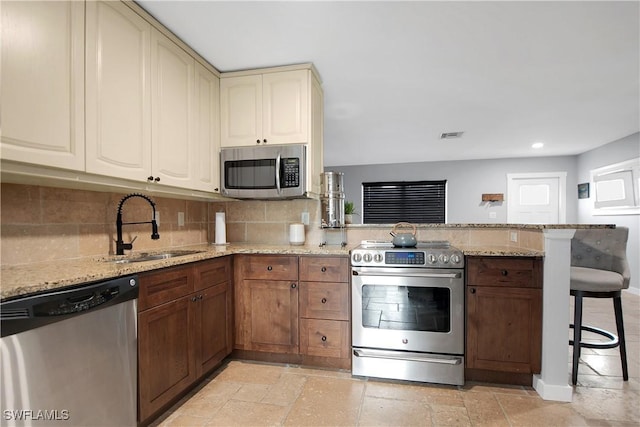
250	174
406	308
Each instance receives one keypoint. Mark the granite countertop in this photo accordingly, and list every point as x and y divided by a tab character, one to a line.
26	279
497	225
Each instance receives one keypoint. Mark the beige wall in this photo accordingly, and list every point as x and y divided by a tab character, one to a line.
45	223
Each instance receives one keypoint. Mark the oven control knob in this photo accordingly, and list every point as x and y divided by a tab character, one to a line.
455	258
367	257
432	259
444	258
377	258
357	257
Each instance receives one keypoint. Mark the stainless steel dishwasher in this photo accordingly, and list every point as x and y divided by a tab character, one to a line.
69	357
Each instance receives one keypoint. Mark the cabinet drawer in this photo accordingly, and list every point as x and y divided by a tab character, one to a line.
326	338
504	271
271	267
324	300
324	269
168	284
212	272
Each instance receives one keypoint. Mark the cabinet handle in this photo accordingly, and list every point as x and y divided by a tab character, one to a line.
472	290
504	272
293	286
324	300
324	338
269	268
323	269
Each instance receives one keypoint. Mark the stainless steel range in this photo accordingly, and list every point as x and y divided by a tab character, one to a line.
408	312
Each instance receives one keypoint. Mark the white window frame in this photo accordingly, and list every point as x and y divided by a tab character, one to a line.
628	172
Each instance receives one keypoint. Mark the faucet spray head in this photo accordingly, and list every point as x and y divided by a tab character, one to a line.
154	230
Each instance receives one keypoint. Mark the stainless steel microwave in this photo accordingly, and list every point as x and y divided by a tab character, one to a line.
264	172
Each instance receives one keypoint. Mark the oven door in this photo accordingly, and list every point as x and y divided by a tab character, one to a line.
415	310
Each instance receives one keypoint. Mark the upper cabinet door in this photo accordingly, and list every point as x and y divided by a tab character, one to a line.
172	88
286	107
241	111
118	91
207	130
42	103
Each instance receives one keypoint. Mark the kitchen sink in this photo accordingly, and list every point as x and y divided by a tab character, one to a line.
142	257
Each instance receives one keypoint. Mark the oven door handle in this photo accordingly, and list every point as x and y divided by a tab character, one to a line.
410	274
415	357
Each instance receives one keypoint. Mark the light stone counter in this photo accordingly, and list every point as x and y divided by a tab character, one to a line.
26	279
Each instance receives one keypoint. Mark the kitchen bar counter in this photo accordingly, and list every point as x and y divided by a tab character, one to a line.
25	279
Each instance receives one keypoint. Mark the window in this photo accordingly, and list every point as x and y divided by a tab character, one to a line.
616	188
421	202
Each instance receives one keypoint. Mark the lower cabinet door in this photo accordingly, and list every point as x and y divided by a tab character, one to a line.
214	315
325	338
166	363
504	329
272	315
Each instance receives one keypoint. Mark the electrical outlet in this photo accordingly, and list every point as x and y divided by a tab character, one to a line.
305	218
180	219
514	236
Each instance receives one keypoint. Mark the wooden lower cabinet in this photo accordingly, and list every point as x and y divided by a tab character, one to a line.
504	319
293	309
180	339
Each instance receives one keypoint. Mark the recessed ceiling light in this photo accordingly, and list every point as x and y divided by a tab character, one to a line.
537	145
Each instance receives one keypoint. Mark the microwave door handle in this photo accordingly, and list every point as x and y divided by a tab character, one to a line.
278	174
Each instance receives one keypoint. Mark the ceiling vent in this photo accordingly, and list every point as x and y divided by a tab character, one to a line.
450	135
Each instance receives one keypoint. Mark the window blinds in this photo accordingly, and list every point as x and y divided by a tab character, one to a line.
421	202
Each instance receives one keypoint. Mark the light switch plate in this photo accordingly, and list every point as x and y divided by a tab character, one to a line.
305	218
180	219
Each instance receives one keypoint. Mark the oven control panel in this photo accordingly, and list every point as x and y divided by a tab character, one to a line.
434	258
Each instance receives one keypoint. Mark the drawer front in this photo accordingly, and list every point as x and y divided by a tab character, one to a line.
168	284
270	267
324	269
212	272
323	300
504	271
325	338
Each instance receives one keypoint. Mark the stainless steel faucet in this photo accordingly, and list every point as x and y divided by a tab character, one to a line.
120	244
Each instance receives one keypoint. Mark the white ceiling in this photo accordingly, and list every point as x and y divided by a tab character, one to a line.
398	74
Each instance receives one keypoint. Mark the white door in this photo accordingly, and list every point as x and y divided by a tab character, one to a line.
538	198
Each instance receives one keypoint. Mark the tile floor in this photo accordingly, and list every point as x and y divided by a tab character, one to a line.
253	394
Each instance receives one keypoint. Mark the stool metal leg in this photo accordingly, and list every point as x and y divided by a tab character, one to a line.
577	335
617	307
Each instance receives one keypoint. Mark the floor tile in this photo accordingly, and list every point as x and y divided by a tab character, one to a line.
378	411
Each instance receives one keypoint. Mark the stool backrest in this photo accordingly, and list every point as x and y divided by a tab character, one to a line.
602	249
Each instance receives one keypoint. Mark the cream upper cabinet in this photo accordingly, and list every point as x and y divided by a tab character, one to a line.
172	90
118	123
42	78
207	130
266	108
241	111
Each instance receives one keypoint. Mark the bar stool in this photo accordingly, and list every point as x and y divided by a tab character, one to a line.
599	269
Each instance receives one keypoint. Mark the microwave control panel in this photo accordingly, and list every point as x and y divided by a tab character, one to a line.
290	172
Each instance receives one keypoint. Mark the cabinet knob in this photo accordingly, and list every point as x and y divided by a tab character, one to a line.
324	300
504	272
200	297
257	141
150	178
324	338
157	179
323	269
472	290
264	141
293	286
193	299
269	268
